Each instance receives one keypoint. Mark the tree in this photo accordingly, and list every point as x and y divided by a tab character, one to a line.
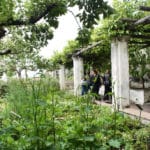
90	10
22	12
26	22
24	32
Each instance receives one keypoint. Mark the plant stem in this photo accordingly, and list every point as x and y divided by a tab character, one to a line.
53	119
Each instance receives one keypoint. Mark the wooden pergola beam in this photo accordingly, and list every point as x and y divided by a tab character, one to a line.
128	20
139	42
87	48
144	8
135	22
143	21
141	36
146	46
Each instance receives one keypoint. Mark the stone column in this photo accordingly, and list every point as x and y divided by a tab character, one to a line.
54	75
120	71
114	72
62	77
78	73
4	77
123	55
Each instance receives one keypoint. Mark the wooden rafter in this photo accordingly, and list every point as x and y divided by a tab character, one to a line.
128	20
135	22
140	42
140	45
141	36
143	21
132	26
87	48
144	8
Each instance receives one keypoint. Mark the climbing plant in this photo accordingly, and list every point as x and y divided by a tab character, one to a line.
110	27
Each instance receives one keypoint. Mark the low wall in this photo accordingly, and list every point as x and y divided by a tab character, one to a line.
69	85
140	96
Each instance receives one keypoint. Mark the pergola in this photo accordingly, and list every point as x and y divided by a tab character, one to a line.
119	59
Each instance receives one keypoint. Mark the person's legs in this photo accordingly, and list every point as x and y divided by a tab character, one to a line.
82	90
106	96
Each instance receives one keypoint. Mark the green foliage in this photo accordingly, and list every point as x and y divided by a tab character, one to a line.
25	90
40	116
114	143
84	36
108	28
91	10
113	26
6	10
65	57
29	38
3	88
139	61
24	48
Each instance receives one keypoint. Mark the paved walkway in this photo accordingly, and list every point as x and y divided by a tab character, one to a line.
133	111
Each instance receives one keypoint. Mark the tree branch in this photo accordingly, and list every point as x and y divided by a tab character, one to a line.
2	32
5	52
19	52
33	19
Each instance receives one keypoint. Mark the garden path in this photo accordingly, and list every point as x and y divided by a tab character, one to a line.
133	111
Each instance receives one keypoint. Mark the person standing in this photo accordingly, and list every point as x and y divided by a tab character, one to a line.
84	86
95	82
107	84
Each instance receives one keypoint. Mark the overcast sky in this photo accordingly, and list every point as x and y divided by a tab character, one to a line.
67	30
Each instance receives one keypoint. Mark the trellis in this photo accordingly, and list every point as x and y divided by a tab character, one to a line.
119	56
132	26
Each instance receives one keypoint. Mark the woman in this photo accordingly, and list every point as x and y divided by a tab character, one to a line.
95	82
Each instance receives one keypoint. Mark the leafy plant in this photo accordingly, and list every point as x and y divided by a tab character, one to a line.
39	116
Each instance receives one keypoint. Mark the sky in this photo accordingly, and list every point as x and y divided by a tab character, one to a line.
67	30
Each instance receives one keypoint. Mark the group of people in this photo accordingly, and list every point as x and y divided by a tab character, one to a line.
93	82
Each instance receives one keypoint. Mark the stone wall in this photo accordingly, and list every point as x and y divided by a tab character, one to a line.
140	96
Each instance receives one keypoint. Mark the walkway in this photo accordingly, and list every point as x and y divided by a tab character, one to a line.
133	111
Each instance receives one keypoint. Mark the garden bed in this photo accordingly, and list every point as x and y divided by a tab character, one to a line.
40	117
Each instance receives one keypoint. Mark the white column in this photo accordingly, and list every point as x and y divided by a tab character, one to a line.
120	71
4	77
62	77
78	73
54	74
114	69
123	65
